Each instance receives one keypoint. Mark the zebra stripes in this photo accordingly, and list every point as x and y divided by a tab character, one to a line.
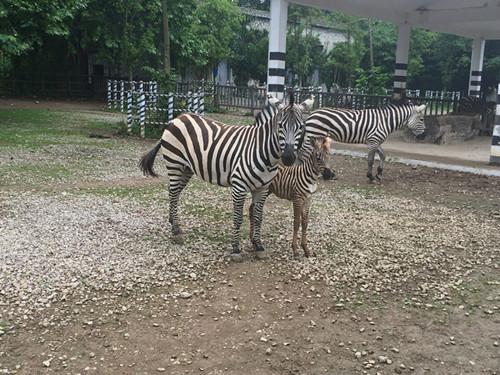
370	126
297	184
242	157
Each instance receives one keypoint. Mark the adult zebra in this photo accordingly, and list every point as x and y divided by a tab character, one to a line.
370	126
242	157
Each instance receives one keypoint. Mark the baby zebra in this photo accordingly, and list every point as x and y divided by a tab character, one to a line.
297	184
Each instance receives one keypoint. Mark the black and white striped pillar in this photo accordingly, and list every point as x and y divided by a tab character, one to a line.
277	49
495	141
115	94
170	110
109	94
476	67
129	111
401	68
201	108
141	104
189	101
122	95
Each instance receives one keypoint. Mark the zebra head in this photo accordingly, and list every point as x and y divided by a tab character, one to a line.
291	127
416	120
322	155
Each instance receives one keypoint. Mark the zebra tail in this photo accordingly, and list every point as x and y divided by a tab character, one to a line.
148	160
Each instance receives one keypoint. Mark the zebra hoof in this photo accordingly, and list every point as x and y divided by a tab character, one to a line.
178	238
261	254
236	257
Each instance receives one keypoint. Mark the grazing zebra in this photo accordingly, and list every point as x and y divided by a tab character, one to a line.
242	157
297	184
370	126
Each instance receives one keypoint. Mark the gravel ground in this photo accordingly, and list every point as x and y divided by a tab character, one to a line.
92	246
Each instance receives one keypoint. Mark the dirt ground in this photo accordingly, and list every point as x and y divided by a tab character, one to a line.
406	281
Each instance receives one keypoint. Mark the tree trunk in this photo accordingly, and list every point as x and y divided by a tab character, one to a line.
166	38
370	34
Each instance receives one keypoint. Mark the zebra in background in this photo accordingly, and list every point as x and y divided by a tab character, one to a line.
297	184
370	126
242	157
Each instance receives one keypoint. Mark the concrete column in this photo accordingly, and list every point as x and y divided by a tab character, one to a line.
476	67
277	48
402	49
495	142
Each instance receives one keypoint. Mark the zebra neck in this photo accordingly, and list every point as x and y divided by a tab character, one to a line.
266	144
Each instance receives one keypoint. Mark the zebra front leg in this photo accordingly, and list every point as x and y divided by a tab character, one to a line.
251	219
238	202
371	158
380	169
297	213
178	180
258	199
305	221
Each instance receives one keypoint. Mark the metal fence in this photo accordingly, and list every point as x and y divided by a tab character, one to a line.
145	105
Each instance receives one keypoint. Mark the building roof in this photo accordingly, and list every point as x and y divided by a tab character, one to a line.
264	14
469	18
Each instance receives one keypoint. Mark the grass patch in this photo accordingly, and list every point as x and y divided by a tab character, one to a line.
35	128
38	173
141	193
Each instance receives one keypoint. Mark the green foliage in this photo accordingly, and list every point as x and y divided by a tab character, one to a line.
25	23
374	80
304	52
249	58
216	22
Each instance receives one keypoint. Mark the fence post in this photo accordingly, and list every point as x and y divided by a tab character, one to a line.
122	95
320	99
201	104
142	109
129	111
115	94
170	111
189	102
109	94
196	102
495	141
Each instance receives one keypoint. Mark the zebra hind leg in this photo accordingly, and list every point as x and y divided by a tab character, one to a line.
238	202
380	168
371	158
178	180
258	199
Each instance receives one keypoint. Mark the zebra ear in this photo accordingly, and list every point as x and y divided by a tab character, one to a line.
421	108
275	102
307	104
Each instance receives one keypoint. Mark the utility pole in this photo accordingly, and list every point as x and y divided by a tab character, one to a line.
166	38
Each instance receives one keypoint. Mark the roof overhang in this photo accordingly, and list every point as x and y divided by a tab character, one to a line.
468	18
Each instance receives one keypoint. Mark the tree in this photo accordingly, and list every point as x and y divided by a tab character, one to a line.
249	57
215	24
25	23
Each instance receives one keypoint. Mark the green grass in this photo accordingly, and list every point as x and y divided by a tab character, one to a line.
39	172
140	193
36	128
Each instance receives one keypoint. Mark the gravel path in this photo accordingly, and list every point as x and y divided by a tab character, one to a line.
92	244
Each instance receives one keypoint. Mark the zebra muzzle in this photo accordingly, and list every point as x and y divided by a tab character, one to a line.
288	155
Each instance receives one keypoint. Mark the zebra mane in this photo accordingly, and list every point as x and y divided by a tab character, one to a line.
266	114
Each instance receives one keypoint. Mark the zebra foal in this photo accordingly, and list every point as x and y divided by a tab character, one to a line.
370	126
297	184
244	158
